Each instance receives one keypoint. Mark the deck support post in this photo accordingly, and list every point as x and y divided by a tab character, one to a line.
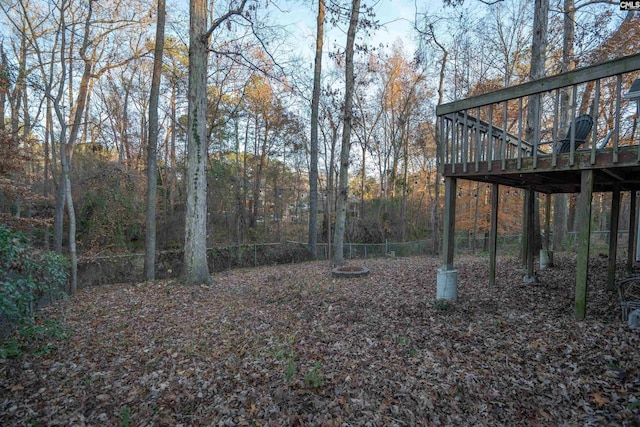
525	229
632	230
546	254
583	226
613	237
493	237
530	205
447	281
637	236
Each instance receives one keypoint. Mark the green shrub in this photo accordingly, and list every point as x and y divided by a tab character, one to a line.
26	275
314	377
38	338
110	213
125	416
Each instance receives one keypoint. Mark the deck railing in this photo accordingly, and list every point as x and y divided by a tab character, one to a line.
499	126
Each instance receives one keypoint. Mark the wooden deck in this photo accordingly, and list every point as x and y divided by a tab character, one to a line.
510	137
562	177
483	138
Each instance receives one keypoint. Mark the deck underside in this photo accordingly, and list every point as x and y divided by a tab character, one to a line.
561	178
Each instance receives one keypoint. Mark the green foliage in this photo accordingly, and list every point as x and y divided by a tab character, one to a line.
33	338
110	209
125	416
49	329
314	377
26	275
285	352
10	348
290	371
442	305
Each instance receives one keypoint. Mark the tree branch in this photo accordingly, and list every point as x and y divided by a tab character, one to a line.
579	4
216	23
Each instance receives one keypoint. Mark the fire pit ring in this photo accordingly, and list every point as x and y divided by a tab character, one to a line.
350	271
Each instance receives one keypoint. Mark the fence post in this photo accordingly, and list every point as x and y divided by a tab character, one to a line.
386	247
255	255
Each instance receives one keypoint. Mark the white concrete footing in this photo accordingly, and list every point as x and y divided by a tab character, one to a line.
447	288
546	259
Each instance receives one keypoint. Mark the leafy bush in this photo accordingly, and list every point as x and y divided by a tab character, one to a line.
35	338
26	276
110	213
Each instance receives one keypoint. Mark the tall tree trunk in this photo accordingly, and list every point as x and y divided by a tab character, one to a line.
405	183
560	225
66	168
4	86
245	180
67	144
152	150
343	180
256	176
538	59
435	208
239	187
196	269
173	180
58	223
46	172
79	106
330	183
19	89
313	161
26	118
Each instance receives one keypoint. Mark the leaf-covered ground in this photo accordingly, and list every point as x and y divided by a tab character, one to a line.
290	345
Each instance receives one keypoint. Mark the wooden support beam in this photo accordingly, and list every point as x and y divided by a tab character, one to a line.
637	236
547	223
490	155
616	120
531	235
632	230
613	237
493	237
449	221
613	174
583	226
525	230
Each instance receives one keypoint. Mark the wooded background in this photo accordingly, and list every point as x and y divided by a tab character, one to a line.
75	82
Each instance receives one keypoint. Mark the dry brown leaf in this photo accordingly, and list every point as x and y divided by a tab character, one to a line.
290	345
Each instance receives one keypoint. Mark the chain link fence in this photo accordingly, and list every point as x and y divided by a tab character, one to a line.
100	270
512	243
377	250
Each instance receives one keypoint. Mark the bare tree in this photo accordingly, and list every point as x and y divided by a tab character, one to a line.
567	64
79	45
196	269
152	151
537	69
313	160
4	84
343	180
